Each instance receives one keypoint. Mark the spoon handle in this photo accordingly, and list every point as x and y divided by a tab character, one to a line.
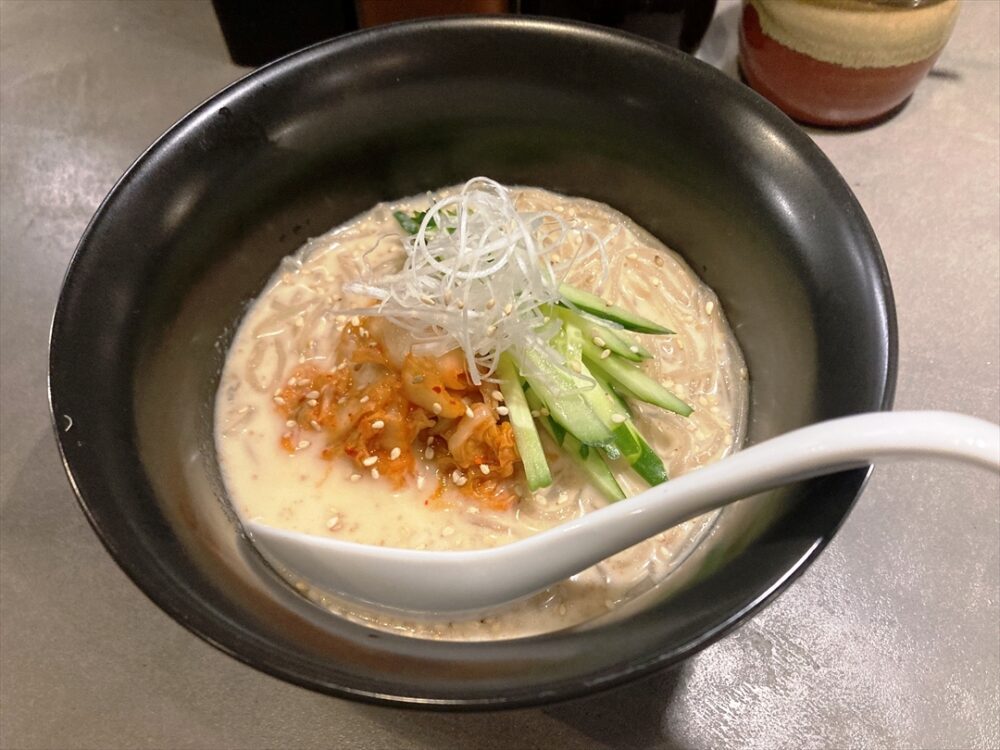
823	448
473	580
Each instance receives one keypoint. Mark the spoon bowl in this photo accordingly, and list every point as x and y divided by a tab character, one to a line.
467	582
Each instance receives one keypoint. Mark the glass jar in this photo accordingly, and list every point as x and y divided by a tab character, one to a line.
841	63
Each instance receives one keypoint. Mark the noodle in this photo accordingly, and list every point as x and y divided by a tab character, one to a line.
334	280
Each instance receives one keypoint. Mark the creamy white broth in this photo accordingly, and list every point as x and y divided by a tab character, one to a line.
295	321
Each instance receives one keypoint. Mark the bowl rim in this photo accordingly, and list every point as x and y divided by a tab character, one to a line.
219	636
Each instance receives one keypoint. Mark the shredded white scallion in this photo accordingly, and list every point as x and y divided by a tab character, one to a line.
476	275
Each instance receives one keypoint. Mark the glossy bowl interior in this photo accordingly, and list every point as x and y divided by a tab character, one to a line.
195	227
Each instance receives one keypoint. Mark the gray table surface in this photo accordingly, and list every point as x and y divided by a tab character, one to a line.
890	640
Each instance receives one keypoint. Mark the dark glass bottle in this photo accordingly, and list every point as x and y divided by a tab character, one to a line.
678	23
377	12
258	31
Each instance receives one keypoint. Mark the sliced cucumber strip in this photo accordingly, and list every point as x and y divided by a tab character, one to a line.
572	342
617	398
634	380
614	340
529	445
596	306
648	465
587	460
568	407
644	461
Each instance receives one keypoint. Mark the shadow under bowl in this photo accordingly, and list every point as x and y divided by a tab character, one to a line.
196	226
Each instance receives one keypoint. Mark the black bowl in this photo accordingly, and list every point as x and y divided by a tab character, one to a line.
198	223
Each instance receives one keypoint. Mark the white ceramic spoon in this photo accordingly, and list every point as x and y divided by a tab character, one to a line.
431	582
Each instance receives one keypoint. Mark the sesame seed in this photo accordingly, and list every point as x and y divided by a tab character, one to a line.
394	453
632	256
469	412
312	394
460	304
658	260
619	418
490	303
543	412
436	407
290	423
605	354
370	461
375	474
333	522
315	425
447	531
363	400
598	341
709	306
279	400
429	453
490	330
535	413
562	610
680	343
503	411
461	481
497	396
507	308
420	482
378	424
656	282
303	444
355	477
427	299
472	510
430	440
311	402
634	349
575	366
418	379
355	321
485	469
